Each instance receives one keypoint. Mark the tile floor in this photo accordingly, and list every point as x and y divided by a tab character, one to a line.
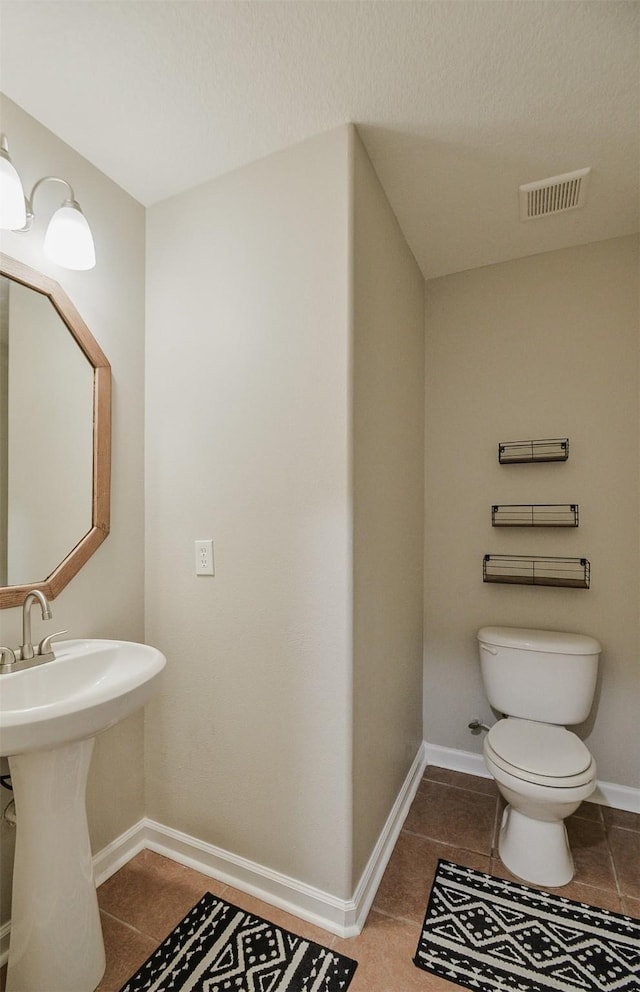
453	816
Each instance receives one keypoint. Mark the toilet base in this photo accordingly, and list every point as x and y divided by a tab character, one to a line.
535	850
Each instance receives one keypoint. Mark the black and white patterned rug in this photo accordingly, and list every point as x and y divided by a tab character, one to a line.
491	935
220	948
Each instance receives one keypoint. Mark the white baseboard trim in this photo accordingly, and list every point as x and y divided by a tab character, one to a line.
372	875
343	917
295	897
618	796
606	794
116	854
456	761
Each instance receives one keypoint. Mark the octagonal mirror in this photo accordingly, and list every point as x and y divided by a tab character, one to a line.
55	436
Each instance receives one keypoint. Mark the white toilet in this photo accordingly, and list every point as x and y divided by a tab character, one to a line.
540	680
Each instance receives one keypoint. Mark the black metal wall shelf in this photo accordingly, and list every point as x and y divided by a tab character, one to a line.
533	570
542	450
534	515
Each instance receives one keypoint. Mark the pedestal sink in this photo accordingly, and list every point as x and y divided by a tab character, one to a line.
49	716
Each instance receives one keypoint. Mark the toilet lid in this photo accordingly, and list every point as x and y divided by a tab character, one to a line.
539	748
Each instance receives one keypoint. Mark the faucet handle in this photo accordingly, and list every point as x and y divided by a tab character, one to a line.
44	647
7	660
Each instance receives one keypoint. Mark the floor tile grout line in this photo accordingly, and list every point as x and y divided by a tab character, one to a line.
400	919
612	860
129	926
448	843
142	933
458	788
619	826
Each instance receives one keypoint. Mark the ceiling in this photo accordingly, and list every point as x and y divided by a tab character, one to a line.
457	101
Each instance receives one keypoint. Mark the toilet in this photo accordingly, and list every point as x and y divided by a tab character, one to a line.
540	680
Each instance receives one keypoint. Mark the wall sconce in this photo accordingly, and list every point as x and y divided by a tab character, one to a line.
68	240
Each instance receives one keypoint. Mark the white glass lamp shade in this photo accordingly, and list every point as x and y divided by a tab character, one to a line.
68	240
13	213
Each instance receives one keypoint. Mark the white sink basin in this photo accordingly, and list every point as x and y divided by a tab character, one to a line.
49	717
89	686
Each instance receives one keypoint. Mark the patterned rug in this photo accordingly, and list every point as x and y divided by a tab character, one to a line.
220	948
491	935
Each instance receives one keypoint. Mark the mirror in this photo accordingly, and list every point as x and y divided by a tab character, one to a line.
55	436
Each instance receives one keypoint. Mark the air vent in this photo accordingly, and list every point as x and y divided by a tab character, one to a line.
553	196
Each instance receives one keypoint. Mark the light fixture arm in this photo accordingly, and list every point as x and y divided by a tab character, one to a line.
68	240
70	201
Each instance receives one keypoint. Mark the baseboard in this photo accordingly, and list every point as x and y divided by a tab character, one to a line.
606	794
345	918
372	874
618	796
116	854
457	761
290	894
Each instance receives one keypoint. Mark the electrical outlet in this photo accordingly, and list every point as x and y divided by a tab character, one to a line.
204	557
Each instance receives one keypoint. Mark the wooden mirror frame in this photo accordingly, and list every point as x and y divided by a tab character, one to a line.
101	490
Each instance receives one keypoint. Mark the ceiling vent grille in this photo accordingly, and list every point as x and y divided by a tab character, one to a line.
553	196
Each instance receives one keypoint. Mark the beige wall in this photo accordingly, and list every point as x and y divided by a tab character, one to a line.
388	463
106	598
285	410
249	743
541	347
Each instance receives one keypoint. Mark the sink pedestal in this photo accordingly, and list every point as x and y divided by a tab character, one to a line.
56	937
49	716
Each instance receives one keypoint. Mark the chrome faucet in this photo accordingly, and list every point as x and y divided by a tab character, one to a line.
26	648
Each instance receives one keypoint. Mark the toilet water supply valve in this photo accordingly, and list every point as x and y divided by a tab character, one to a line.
475	727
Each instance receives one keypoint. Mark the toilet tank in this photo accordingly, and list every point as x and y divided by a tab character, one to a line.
544	675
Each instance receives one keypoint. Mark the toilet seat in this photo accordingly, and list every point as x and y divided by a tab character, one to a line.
540	753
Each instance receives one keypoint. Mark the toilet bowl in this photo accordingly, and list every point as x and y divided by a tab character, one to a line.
543	772
539	680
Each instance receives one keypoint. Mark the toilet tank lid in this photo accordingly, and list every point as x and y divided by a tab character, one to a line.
550	641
